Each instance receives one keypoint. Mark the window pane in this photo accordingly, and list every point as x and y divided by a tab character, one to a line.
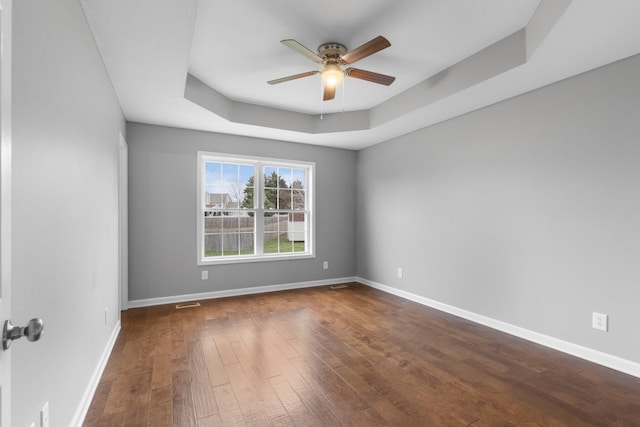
284	199
297	230
278	243
230	174
213	228
278	183
228	185
299	179
212	178
270	200
246	186
247	198
275	226
229	233
285	178
270	177
285	232
297	199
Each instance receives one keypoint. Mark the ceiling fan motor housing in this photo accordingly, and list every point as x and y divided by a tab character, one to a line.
332	51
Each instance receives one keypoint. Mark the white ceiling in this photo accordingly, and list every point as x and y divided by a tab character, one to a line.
438	55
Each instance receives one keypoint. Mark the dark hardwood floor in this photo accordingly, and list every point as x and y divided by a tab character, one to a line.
346	357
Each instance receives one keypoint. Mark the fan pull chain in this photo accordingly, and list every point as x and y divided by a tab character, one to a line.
321	100
344	83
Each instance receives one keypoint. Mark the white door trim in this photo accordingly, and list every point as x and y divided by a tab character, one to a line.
5	203
123	224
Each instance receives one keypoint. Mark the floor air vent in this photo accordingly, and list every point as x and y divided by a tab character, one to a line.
187	305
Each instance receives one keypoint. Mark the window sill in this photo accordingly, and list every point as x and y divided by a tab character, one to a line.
260	258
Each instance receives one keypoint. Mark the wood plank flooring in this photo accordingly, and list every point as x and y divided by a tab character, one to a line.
347	357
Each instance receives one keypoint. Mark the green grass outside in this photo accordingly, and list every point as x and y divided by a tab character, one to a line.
270	247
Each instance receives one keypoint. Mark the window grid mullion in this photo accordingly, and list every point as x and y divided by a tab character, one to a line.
222	233
258	198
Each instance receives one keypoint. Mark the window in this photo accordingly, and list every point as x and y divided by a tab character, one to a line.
253	209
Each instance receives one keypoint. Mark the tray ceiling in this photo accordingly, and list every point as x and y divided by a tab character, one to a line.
204	64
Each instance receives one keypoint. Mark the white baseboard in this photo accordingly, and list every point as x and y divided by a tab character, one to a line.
235	292
87	397
604	359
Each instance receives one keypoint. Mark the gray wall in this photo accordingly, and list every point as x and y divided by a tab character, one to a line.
66	125
163	212
525	212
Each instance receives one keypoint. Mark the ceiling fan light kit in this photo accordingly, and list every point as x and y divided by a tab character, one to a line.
335	55
332	75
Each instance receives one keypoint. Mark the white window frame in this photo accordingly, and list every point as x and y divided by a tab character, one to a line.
258	163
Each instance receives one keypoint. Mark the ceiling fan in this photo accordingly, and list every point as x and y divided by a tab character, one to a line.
333	56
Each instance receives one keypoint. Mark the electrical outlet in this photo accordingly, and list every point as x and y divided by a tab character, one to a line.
325	265
205	275
600	321
400	272
44	415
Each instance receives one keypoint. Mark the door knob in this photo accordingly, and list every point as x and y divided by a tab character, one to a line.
10	332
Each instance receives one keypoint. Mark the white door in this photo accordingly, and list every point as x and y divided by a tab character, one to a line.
5	203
